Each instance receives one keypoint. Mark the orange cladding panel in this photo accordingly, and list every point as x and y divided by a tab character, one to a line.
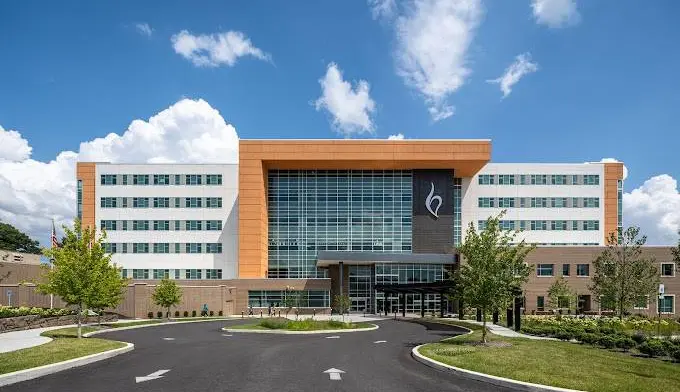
613	172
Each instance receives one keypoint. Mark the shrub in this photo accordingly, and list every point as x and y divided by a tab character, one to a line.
676	354
564	335
193	313
652	348
150	315
186	313
607	341
176	313
336	324
212	313
589	338
625	343
159	314
219	313
639	338
274	323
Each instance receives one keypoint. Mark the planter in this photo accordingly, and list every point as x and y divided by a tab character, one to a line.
33	321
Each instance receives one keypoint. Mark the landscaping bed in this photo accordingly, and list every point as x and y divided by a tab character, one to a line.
555	363
301	325
22	318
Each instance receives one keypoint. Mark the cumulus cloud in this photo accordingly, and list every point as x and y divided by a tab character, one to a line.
351	108
514	72
33	192
555	13
655	207
382	8
144	29
13	147
399	136
214	50
433	38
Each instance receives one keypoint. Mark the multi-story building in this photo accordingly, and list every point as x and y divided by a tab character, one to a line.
342	216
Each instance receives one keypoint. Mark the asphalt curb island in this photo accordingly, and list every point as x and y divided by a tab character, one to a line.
285	332
87	335
483	377
29	374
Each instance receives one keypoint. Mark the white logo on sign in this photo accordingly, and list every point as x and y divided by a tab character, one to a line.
430	198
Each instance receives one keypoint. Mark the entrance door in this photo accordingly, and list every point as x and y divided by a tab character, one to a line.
358	305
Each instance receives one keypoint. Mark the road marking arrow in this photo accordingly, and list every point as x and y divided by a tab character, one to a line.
334	374
380	341
168	338
332	337
152	376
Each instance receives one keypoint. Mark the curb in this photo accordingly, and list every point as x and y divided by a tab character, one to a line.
87	335
483	377
29	374
284	332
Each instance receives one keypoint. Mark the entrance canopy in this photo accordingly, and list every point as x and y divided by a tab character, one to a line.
328	258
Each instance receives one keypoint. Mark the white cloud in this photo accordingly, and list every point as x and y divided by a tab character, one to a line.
433	38
555	13
514	72
382	8
399	136
215	49
655	208
13	147
33	192
350	107
144	29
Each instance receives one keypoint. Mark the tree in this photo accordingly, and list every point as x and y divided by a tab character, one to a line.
622	274
82	274
5	275
16	241
167	294
291	299
493	269
341	304
558	291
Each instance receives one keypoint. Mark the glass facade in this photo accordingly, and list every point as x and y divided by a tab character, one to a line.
335	210
386	273
276	298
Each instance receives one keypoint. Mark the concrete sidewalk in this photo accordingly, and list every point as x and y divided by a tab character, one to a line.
504	331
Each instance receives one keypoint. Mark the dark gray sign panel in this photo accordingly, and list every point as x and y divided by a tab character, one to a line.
432	211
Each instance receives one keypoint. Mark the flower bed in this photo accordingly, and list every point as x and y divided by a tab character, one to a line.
7	311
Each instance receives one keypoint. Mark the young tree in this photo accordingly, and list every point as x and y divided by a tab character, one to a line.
341	304
559	290
16	241
622	274
493	269
291	299
82	274
167	294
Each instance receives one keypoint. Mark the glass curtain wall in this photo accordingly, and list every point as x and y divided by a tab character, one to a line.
388	273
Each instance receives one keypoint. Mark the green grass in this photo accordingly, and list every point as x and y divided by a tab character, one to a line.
65	346
301	325
561	364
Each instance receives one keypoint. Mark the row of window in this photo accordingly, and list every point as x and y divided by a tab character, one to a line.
538	202
163	247
539	179
161	225
172	273
666	303
161	179
667	269
278	298
161	202
542	225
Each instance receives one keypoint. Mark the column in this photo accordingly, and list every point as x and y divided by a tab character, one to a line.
422	305
403	304
342	273
441	305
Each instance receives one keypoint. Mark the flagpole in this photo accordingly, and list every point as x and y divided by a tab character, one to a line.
52	261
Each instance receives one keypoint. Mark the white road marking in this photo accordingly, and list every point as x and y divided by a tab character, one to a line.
168	338
332	337
334	374
226	335
155	375
380	341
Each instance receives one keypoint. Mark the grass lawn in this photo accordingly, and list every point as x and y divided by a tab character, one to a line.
65	346
562	364
300	325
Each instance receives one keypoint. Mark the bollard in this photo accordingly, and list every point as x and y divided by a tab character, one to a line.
260	314
241	314
279	313
495	317
509	318
479	315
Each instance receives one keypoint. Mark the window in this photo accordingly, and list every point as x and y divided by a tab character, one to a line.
178	179
140	274
539	202
507	225
213	202
558	179
506	202
539	179
213	274
108	202
563	302
540	303
125	247
177	225
161	225
481	225
192	202
140	225
161	179
125	179
582	269
213	225
544	269
591	202
139	247
177	202
574	225
161	274
193	274
215	247
192	179
193	247
523	179
574	202
108	179
140	179
486	202
506	179
522	202
213	179
176	274
522	225
161	202
125	202
591	179
108	225
125	224
486	179
539	225
559	225
591	225
558	202
667	269
178	248
641	302
140	202
123	273
565	269
667	304
193	225
161	247
110	248
574	179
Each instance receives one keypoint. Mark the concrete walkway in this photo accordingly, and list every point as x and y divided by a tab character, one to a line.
506	332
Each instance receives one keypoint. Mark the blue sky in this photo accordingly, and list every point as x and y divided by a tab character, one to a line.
603	84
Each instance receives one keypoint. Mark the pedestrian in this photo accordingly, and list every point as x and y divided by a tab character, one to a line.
204	311
250	310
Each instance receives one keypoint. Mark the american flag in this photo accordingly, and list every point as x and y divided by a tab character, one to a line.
55	242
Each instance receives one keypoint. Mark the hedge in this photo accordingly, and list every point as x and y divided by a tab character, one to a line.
6	311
